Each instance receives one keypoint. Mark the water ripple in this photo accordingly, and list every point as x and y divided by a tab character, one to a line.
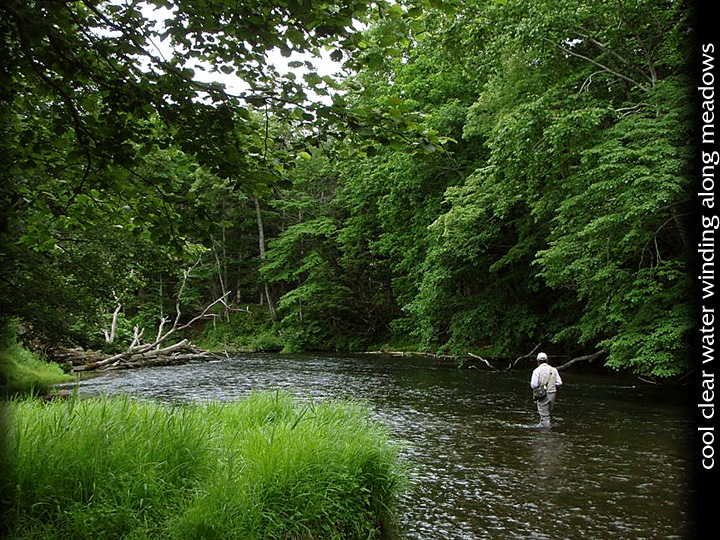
613	465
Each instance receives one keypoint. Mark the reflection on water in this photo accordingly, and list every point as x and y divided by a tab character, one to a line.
614	465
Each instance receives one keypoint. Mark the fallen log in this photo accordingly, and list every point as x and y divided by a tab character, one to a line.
179	353
412	353
163	360
152	353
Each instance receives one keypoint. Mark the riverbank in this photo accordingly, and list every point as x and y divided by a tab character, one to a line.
253	331
260	467
25	372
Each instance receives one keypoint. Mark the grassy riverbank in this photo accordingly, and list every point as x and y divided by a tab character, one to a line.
261	468
24	372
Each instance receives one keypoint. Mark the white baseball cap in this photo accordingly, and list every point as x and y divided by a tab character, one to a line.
542	357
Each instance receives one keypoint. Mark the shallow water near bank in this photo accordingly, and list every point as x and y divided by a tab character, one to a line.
614	465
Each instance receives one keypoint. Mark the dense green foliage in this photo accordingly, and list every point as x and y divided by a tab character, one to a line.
557	211
487	176
262	467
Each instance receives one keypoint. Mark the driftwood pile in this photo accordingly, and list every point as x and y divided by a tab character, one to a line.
81	360
153	353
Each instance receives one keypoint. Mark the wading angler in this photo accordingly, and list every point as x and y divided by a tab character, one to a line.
545	381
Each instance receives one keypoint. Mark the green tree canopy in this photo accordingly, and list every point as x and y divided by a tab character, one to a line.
487	177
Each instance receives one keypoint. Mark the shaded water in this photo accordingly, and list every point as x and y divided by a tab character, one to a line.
614	465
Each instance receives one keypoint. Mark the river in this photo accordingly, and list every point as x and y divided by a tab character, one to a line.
614	465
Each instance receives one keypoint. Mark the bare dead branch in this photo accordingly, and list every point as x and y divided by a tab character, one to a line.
600	65
139	353
586	358
531	354
110	336
487	363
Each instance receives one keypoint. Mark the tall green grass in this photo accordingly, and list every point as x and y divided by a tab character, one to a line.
22	371
265	467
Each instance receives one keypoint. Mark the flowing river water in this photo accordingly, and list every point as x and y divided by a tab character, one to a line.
615	464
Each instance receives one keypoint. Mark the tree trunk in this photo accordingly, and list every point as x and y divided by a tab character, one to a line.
110	337
261	241
221	269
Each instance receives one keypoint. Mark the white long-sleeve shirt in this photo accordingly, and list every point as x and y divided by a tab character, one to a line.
546	374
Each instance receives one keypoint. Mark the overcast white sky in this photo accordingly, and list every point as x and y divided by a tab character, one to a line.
234	85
